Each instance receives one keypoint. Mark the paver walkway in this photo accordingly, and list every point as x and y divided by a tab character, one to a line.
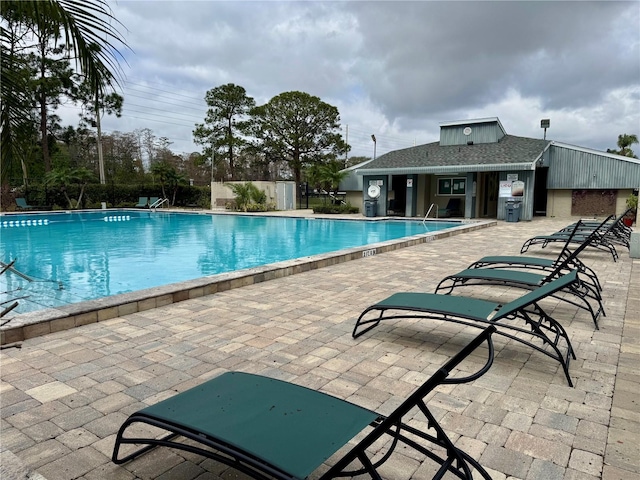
64	395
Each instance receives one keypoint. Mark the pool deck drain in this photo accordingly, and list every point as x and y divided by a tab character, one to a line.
42	322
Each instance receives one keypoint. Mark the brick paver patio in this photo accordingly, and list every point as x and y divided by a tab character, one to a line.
64	395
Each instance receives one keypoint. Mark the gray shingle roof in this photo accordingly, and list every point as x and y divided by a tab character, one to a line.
509	153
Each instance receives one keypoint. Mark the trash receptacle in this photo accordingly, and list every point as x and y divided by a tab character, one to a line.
512	213
370	208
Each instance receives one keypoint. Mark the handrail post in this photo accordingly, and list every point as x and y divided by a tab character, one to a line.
429	211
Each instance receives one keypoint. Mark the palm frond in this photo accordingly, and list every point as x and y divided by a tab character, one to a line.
89	29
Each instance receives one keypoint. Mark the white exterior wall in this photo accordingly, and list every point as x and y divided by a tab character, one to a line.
221	193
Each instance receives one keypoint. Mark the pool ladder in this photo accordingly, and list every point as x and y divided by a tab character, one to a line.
429	211
158	203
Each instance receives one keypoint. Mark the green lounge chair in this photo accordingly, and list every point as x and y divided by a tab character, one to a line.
516	320
619	233
268	428
142	202
23	205
153	201
583	291
547	264
603	240
520	279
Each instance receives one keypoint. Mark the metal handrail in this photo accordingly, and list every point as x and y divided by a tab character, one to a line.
157	203
429	211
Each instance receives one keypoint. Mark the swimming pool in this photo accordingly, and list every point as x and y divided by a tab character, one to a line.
65	258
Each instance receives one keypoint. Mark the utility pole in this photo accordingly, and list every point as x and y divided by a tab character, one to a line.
103	179
346	150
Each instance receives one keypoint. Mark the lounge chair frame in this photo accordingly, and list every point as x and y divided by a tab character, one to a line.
536	263
518	319
260	466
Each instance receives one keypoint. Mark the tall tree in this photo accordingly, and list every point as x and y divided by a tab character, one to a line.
301	129
94	105
52	77
624	143
122	158
196	168
226	123
82	24
147	141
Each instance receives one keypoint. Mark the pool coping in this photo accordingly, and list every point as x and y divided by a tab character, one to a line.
50	320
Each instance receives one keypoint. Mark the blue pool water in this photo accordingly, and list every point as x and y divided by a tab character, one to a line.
72	257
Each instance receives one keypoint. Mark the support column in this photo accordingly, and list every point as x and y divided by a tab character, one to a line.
411	198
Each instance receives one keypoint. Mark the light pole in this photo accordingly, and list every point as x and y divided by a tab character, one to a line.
373	137
545	123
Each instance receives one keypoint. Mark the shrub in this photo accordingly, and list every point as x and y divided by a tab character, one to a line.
249	198
335	209
117	195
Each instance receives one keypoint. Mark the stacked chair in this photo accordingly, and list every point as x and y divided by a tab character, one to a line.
615	232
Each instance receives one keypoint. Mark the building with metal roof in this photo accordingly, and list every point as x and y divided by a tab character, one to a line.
487	173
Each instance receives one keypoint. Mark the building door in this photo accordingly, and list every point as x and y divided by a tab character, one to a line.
540	192
398	199
488	194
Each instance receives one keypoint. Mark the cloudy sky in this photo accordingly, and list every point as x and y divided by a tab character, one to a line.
396	69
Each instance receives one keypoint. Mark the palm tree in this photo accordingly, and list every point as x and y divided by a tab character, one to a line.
174	179
85	25
242	192
65	177
332	174
624	142
247	194
165	173
313	175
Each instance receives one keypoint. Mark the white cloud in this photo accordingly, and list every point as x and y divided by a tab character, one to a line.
393	69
